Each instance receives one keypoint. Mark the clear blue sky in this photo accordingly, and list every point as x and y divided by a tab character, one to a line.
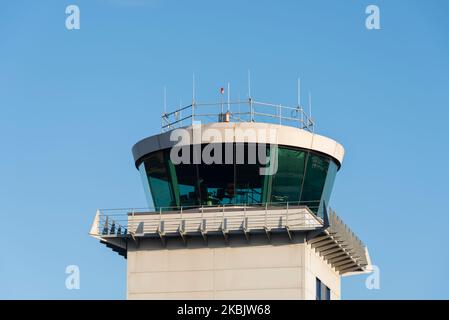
74	102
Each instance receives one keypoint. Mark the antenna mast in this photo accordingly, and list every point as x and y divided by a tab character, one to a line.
299	92
249	84
165	100
310	112
310	105
193	88
300	109
250	100
229	96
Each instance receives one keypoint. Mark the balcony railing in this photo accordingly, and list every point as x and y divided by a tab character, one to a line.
237	111
204	220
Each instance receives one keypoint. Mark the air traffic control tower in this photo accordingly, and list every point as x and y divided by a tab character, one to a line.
239	194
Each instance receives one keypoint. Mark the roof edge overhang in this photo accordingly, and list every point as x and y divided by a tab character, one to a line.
243	132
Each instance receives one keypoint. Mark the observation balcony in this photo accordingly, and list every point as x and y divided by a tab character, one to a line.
330	237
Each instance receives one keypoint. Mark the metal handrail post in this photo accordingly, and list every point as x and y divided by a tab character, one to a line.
251	110
280	114
266	214
132	220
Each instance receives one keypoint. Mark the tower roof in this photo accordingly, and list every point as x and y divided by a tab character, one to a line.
239	132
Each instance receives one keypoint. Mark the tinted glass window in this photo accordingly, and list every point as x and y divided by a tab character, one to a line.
315	177
188	187
249	181
286	185
157	174
146	185
328	293
328	185
302	177
321	290
318	289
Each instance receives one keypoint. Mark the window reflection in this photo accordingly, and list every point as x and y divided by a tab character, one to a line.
315	177
286	185
303	177
156	172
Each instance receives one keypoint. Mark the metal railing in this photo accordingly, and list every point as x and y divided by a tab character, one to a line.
114	224
122	221
237	111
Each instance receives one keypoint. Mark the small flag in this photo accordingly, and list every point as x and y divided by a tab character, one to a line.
221	90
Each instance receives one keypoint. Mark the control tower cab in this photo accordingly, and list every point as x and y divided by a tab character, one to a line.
238	196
